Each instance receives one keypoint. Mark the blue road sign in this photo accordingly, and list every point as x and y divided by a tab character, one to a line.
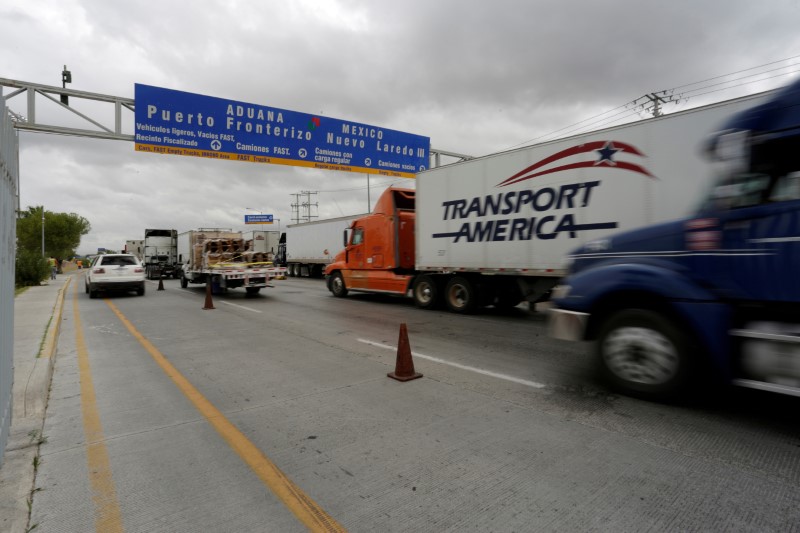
258	219
181	123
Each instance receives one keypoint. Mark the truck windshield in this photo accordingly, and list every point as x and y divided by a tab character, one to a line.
749	189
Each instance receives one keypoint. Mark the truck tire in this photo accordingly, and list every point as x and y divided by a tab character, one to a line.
184	281
642	353
461	295
252	291
426	292
337	285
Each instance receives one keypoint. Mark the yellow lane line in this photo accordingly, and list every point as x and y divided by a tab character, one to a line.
304	508
107	516
49	348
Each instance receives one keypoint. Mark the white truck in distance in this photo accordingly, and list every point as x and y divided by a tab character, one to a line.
311	246
220	257
160	254
266	241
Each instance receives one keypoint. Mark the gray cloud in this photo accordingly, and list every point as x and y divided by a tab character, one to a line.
477	77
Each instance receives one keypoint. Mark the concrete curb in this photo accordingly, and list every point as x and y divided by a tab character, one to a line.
37	386
31	393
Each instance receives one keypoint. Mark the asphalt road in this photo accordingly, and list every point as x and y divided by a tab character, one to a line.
507	430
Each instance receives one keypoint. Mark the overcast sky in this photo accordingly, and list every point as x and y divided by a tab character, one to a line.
476	77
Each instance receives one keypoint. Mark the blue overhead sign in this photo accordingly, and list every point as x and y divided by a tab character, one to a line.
258	219
181	123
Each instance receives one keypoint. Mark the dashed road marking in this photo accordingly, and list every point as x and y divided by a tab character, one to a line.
242	307
482	371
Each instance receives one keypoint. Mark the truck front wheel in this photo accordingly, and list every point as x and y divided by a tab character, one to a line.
426	292
184	281
461	295
644	354
337	285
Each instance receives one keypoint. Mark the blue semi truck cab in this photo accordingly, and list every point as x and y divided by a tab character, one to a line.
715	296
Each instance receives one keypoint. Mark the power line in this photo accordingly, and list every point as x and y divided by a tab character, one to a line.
578	126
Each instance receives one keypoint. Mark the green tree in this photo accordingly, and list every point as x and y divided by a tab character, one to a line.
62	232
31	268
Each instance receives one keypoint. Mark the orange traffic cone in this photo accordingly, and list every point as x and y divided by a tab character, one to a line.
209	304
404	368
161	282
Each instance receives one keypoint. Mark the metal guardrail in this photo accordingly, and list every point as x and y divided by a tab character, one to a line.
9	187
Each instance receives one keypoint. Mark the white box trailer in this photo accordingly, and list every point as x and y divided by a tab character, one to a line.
263	241
525	210
160	253
311	246
498	229
135	247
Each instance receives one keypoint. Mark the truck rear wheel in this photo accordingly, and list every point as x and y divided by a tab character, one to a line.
460	295
337	285
644	354
184	281
426	292
252	290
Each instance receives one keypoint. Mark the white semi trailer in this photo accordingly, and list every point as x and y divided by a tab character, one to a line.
311	246
497	230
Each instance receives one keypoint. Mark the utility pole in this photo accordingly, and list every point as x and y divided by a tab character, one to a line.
655	100
306	205
43	232
296	208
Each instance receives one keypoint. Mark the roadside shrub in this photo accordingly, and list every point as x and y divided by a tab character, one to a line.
31	267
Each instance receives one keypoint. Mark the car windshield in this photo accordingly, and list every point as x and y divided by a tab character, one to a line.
121	260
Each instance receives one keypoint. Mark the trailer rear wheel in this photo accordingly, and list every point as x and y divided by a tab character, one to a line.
643	353
337	285
461	295
426	292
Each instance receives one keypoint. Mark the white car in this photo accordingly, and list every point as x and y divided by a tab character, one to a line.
115	272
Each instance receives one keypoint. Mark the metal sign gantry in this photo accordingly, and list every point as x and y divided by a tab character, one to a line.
28	121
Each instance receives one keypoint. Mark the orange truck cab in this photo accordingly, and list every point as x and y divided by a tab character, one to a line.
379	249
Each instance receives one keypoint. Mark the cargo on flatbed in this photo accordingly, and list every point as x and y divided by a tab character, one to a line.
224	259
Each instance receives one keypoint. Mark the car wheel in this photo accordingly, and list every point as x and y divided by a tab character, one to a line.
86	287
140	290
184	281
337	285
92	292
644	354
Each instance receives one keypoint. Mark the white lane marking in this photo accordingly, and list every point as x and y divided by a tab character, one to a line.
242	307
459	365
